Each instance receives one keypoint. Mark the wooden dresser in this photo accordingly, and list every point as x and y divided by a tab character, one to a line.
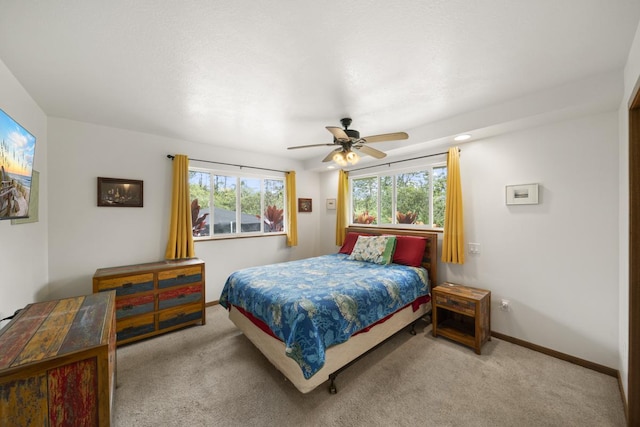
154	298
57	363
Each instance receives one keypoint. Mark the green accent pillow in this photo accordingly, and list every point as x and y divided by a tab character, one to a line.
375	249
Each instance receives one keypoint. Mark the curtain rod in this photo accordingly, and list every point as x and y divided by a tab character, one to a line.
400	161
169	156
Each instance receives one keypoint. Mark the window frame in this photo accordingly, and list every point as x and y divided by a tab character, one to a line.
239	176
379	173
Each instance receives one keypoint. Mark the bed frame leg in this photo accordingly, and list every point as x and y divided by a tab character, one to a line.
412	331
332	386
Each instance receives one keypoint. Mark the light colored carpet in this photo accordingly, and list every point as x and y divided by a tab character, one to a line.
213	376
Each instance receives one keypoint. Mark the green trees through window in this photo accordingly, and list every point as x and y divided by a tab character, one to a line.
414	197
230	204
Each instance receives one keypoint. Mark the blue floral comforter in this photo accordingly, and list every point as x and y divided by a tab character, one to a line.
314	303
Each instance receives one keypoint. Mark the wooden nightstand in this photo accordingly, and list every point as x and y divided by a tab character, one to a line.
463	314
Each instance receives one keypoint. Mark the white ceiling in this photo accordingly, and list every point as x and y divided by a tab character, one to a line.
261	76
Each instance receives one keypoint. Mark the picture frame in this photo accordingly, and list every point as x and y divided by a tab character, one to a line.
331	204
117	192
33	201
304	205
524	194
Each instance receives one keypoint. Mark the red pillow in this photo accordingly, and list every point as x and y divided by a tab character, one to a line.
349	242
409	250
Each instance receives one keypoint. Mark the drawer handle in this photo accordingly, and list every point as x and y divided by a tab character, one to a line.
180	276
180	315
128	307
130	328
181	296
127	285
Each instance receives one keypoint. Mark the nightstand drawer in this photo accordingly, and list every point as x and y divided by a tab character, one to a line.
456	304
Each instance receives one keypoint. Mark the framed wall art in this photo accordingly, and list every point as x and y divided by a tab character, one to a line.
116	192
331	204
525	194
304	205
33	201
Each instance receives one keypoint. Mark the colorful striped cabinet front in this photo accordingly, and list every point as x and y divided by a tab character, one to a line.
154	298
57	364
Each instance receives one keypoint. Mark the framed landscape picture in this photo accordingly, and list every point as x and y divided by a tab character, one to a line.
526	194
33	201
116	192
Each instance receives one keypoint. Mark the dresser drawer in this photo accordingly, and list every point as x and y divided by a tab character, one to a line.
456	304
127	285
179	315
131	306
135	326
178	277
179	296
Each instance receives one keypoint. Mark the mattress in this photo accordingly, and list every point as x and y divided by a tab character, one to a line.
336	356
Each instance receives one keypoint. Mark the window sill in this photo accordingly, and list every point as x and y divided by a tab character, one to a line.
235	236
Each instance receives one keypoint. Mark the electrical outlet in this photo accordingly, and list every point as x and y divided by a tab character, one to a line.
504	305
474	248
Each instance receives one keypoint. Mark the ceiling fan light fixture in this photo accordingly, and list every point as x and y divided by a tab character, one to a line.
345	139
340	158
352	157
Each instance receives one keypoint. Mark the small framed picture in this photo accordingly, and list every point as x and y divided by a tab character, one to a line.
116	192
525	194
331	204
304	205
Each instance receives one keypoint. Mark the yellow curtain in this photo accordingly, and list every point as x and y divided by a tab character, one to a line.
453	240
292	213
341	206
180	244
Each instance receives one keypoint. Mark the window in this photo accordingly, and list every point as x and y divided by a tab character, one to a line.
415	196
227	204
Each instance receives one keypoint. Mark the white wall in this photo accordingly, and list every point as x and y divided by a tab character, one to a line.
631	79
84	237
328	190
23	247
556	262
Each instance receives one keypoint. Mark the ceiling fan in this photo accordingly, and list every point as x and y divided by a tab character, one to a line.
349	141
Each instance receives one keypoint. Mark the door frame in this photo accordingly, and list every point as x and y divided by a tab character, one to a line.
633	371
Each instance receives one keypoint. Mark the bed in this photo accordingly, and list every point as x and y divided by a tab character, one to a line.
312	318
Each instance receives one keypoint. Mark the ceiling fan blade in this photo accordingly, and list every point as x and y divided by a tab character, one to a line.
307	146
386	137
338	133
330	155
371	151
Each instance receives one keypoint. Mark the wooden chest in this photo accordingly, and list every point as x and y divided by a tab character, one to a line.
57	364
155	297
